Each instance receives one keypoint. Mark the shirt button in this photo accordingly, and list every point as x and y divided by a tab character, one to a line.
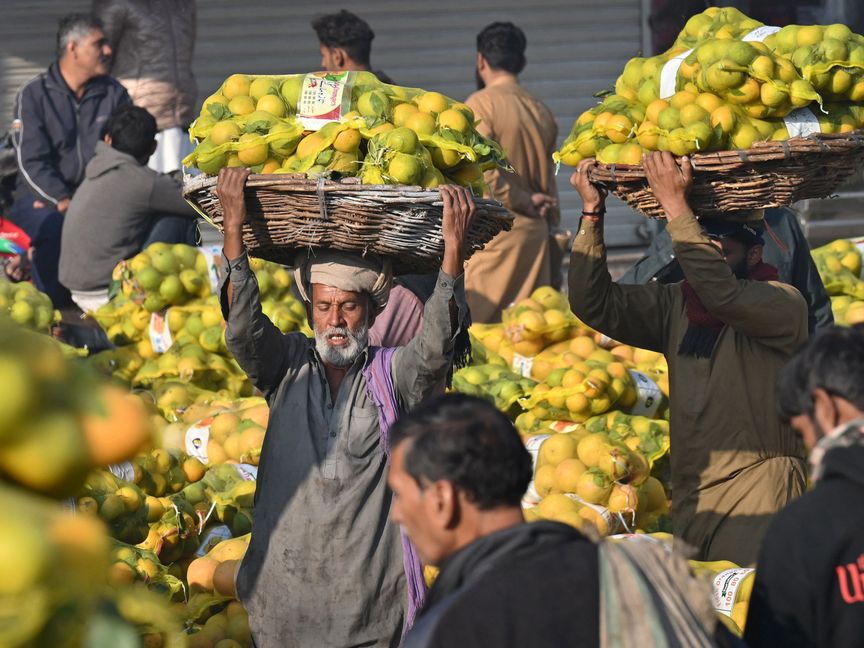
332	435
443	285
329	405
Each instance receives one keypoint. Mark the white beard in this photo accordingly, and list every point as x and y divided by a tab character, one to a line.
342	356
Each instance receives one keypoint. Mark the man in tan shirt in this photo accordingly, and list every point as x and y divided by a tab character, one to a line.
515	262
727	331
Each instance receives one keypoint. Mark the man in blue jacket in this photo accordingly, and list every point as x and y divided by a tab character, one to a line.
59	117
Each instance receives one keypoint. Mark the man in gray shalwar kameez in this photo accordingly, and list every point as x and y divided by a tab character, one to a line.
325	564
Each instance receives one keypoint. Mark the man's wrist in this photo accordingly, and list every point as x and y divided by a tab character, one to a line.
675	208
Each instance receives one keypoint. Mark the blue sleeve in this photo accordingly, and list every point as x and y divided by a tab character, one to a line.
34	150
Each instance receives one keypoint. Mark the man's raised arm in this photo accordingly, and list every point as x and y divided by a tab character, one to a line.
260	348
631	314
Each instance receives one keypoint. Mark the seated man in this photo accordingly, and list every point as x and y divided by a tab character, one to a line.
121	207
59	116
809	588
458	474
325	566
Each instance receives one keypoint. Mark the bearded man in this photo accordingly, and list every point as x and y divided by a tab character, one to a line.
726	332
325	566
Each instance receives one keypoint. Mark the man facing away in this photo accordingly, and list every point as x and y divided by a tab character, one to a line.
726	332
325	566
514	263
59	116
121	207
809	588
345	41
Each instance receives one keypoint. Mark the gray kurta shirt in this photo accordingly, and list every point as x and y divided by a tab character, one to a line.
324	566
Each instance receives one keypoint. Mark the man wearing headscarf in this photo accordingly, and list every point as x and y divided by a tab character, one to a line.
727	331
325	566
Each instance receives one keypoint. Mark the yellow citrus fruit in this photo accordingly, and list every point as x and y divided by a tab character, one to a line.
618	128
348	140
454	120
402	112
271	104
600	121
669	119
405	169
465	110
647	135
309	145
744	136
253	149
432	102
630	154
652	112
681	99
763	66
724	117
444	158
403	140
236	85
772	95
747	93
241	105
373	103
709	101
692	113
420	122
261	87
809	35
722	76
290	90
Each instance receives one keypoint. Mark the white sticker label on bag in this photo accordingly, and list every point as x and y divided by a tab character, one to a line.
725	589
650	395
160	335
532	444
669	75
321	98
197	438
761	33
532	497
801	123
247	471
214	264
522	365
212	538
124	471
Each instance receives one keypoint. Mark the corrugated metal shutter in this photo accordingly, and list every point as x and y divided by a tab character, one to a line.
575	48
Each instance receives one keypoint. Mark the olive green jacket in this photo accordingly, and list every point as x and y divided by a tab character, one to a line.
734	463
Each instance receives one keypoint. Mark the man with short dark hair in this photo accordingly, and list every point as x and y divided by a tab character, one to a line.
809	588
514	263
345	41
59	117
458	473
726	332
121	207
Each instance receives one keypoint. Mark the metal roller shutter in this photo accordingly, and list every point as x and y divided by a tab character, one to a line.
575	48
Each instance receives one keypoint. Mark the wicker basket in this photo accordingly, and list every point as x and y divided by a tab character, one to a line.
289	212
771	174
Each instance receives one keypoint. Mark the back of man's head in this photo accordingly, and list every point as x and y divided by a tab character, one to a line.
73	27
347	31
133	131
502	44
467	442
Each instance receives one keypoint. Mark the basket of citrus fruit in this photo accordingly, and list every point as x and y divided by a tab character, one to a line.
342	160
766	116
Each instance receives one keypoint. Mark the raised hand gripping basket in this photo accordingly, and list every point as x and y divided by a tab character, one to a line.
770	174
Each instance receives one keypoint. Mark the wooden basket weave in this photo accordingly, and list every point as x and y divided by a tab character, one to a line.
288	212
771	174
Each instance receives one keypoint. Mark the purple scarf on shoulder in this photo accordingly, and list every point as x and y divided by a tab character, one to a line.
379	383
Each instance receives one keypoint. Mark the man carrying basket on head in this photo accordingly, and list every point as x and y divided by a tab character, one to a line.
325	566
726	332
